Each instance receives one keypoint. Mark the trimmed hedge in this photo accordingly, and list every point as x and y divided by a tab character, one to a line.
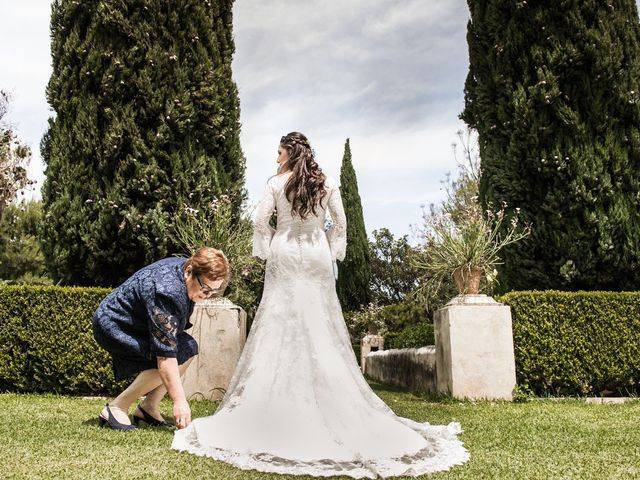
566	343
408	313
46	341
576	343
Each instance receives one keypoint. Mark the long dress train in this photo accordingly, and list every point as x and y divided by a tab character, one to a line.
297	402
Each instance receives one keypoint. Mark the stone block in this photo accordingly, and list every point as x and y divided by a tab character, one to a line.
474	349
220	328
370	343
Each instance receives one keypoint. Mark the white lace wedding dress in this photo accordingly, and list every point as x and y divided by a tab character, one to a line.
297	402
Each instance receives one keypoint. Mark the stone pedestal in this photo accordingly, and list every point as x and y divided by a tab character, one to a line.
370	343
474	349
220	328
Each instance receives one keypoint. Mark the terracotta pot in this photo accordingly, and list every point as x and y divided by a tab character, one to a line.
467	280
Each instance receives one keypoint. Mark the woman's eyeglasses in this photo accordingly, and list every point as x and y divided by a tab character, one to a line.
206	289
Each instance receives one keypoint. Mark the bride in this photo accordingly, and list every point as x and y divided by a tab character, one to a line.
297	402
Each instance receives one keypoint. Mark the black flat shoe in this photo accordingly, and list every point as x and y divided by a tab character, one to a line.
153	422
112	423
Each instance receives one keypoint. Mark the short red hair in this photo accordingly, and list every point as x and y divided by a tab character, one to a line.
209	262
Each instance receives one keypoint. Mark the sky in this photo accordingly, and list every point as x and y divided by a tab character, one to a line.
387	74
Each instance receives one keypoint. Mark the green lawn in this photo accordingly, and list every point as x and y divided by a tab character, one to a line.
47	436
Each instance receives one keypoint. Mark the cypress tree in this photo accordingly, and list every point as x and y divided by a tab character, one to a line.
553	90
355	271
147	121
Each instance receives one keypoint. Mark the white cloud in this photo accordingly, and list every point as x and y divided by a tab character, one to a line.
372	59
387	74
398	16
26	67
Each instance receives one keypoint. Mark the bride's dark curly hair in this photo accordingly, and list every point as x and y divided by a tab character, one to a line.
305	187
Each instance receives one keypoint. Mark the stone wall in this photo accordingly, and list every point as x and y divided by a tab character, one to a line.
410	368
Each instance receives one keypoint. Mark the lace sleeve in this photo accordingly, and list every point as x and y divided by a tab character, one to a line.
337	234
262	231
163	327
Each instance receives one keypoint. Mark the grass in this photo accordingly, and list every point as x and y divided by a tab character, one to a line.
56	437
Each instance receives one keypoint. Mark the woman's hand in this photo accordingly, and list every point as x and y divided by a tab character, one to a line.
181	413
170	375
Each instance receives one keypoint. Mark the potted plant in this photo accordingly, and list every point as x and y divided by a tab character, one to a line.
466	248
460	239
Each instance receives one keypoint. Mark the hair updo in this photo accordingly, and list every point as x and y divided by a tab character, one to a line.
305	188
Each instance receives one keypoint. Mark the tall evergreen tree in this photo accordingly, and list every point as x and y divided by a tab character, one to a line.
147	120
554	92
355	271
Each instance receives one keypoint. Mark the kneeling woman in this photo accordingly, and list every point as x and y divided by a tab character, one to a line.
141	324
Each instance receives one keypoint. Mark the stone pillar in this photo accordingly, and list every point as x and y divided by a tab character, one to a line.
220	328
474	349
370	342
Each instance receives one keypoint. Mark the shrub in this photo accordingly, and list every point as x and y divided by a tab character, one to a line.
21	259
576	343
414	336
393	275
46	341
403	325
359	322
398	316
216	225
